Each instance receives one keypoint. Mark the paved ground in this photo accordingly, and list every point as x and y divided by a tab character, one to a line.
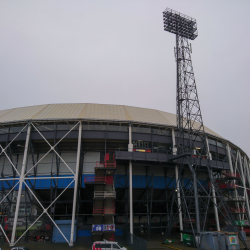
153	244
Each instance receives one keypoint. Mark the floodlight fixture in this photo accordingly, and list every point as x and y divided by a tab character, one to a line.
180	24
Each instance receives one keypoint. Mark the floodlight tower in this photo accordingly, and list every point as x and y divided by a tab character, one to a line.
189	118
192	199
188	107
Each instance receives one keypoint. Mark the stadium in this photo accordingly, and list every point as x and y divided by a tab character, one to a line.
74	170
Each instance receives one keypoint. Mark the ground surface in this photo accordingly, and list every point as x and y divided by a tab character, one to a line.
154	243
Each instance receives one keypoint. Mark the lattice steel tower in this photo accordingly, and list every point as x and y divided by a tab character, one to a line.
191	199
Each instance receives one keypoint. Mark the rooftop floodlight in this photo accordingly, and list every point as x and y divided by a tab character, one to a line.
180	24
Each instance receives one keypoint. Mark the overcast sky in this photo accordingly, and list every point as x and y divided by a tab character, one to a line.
116	52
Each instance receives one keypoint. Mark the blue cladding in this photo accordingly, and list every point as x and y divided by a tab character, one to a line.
65	227
87	233
84	175
118	232
139	181
9	184
40	183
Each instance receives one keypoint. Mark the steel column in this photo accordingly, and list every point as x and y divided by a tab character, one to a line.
174	150
130	198
21	180
130	149
177	185
76	185
244	185
213	192
179	199
196	199
248	171
130	145
231	170
229	158
215	209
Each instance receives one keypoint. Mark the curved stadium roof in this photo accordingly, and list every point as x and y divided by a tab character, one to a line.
87	111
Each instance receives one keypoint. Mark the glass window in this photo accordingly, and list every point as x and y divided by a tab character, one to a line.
4	130
141	130
67	127
212	142
161	132
115	246
117	128
17	129
46	127
94	127
141	144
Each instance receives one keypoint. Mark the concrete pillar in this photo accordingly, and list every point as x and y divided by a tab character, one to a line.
76	177
21	180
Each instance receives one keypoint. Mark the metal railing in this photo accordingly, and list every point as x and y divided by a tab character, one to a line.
102	210
238	210
105	194
228	186
230	174
91	179
105	165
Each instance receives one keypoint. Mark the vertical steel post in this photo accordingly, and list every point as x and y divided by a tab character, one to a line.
215	209
231	170
130	149
177	186
130	198
244	185
21	180
174	149
213	192
229	159
196	199
179	198
248	171
71	243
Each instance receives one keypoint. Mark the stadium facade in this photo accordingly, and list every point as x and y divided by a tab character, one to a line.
72	170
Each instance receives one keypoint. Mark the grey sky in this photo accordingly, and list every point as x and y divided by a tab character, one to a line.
116	52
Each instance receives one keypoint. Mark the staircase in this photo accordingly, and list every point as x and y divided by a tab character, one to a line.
103	226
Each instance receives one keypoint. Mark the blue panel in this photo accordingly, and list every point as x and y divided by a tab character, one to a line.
118	232
65	227
119	181
87	233
80	233
84	175
139	181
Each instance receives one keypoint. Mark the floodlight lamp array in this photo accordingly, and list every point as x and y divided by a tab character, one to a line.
180	24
